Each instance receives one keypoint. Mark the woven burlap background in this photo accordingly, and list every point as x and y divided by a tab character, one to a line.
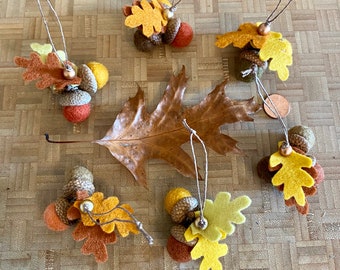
32	172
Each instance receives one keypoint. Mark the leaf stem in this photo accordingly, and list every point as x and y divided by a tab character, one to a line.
47	137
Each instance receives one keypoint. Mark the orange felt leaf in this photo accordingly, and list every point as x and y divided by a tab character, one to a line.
47	74
96	240
137	136
246	33
109	213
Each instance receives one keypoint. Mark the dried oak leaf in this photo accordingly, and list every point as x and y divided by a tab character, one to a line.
96	240
137	136
47	74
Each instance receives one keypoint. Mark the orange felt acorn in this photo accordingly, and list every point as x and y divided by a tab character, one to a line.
96	218
156	24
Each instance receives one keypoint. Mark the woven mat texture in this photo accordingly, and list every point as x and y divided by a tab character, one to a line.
32	172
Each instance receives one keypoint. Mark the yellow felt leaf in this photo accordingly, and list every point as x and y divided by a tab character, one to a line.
165	2
246	33
221	214
109	214
44	49
209	250
148	16
280	52
291	174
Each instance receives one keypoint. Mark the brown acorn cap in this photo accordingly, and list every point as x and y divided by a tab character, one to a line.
172	29
74	185
61	207
252	56
301	137
181	209
156	39
88	80
74	98
177	231
143	43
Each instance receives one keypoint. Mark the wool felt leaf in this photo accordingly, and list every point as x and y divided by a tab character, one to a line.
109	213
221	214
44	49
247	33
96	240
48	74
292	175
209	250
279	51
147	15
137	136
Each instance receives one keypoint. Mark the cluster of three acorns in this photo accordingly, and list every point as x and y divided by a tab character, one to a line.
75	99
181	206
80	183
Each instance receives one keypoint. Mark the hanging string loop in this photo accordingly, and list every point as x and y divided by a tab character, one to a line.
201	222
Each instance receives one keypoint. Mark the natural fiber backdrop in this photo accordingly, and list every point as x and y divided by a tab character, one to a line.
32	172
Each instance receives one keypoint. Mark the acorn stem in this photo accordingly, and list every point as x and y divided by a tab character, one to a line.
47	137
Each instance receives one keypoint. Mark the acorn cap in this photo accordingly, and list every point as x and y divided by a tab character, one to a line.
74	185
143	43
172	29
61	207
181	209
177	231
156	39
173	196
80	172
252	56
74	98
88	80
301	137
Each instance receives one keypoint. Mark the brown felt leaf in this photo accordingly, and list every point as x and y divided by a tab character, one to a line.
47	74
137	135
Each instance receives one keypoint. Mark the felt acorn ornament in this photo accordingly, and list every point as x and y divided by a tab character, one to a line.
271	46
156	25
294	172
190	238
98	220
73	85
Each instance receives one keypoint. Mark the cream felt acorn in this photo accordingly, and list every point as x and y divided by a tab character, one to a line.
156	24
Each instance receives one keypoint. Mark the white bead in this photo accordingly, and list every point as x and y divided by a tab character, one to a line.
201	223
168	14
86	206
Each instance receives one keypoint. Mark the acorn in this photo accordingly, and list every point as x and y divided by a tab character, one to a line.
61	207
173	196
301	137
74	97
142	42
178	34
80	172
100	72
178	251
88	80
77	114
249	59
177	231
182	209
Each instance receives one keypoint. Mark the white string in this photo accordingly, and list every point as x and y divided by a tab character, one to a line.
49	33
268	20
272	107
201	202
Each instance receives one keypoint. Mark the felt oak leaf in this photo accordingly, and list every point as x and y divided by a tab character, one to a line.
108	213
44	49
279	51
220	215
292	175
137	136
96	240
47	74
247	33
209	250
148	15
